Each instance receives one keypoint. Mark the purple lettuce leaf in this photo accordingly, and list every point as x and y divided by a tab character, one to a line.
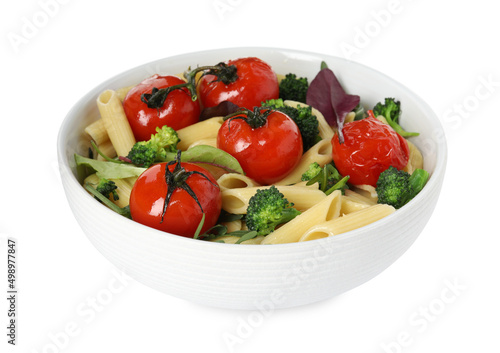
327	95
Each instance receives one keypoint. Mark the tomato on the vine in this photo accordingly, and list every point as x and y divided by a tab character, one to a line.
369	148
177	111
266	143
162	200
251	82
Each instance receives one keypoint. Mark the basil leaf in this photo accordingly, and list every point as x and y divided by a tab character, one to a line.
109	170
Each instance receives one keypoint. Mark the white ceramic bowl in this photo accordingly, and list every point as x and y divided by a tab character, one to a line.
257	276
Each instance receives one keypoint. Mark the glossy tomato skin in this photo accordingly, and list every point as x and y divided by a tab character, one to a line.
256	83
183	213
369	148
266	154
178	111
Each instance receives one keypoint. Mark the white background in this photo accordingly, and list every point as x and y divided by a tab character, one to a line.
446	52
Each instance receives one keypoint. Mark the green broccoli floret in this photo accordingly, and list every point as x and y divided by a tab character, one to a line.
267	209
145	153
328	178
313	170
391	111
294	88
397	187
303	117
107	187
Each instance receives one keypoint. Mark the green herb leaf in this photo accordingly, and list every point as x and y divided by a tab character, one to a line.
247	236
204	154
109	170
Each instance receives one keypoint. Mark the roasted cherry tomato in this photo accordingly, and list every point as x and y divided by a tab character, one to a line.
252	83
183	213
177	111
266	143
369	148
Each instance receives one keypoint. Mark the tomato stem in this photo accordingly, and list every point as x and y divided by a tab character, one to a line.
224	73
177	179
256	118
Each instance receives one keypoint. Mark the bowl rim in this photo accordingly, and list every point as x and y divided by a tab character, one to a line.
432	185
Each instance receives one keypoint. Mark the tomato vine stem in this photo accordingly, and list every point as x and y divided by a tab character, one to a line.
177	179
256	118
224	73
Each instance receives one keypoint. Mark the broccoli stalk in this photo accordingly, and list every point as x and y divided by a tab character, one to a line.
397	187
391	111
328	178
145	153
267	209
293	88
303	117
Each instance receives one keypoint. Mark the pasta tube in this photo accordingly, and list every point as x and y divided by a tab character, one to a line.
107	149
97	132
303	198
121	93
206	129
116	123
348	222
235	181
320	153
326	210
350	205
416	161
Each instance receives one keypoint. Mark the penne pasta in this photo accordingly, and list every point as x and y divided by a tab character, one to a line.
206	129
124	188
320	153
359	197
97	132
233	225
92	179
349	117
325	210
416	160
348	222
235	181
350	204
115	122
208	142
303	198
367	191
107	149
121	93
